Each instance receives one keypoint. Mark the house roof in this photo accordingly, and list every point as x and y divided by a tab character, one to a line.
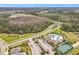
15	50
64	48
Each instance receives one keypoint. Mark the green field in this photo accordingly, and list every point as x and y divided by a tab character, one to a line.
74	51
12	37
26	35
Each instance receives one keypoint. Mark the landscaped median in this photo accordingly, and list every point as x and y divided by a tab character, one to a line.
13	37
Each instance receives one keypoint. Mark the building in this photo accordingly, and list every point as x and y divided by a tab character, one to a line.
55	38
15	50
42	12
64	48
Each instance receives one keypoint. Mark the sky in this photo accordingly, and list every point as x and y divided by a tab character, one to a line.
39	5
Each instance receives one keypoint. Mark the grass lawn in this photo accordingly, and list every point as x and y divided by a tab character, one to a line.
70	37
57	30
26	35
25	48
74	51
12	37
9	37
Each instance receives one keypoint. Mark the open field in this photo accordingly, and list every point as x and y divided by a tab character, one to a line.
74	51
70	37
13	37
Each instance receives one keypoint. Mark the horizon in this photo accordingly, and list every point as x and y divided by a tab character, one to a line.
39	5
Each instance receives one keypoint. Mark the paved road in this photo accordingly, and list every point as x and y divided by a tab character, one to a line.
3	47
